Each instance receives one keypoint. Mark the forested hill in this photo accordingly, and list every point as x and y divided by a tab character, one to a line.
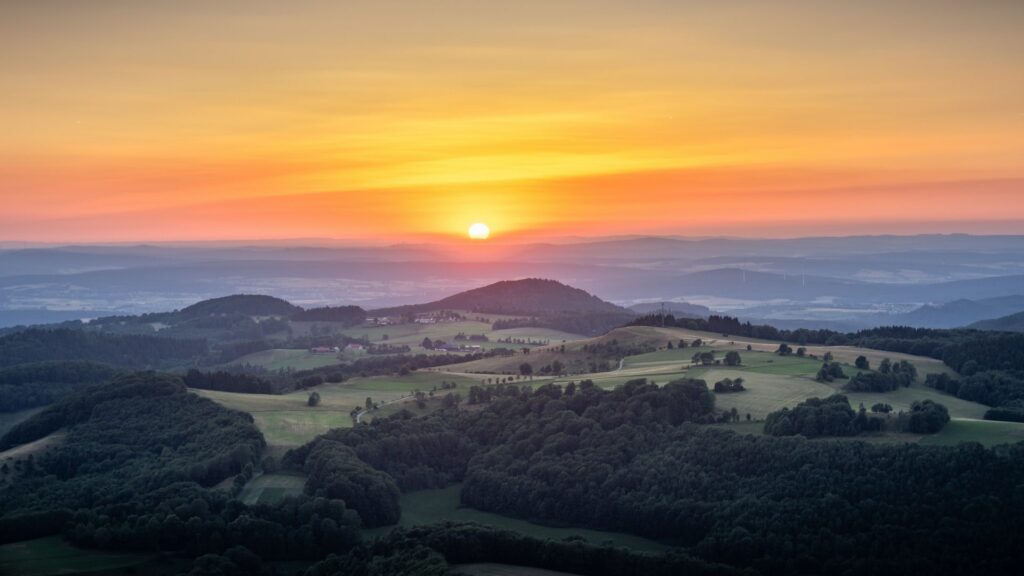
246	304
531	297
1011	323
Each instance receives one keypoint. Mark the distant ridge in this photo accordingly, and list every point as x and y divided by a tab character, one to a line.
1011	323
961	312
676	309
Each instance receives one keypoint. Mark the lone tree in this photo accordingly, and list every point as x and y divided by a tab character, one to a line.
369	403
862	363
732	358
427	343
784	350
314	399
525	369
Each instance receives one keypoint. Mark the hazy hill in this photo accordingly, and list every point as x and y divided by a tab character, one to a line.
677	309
961	312
529	297
245	304
1011	323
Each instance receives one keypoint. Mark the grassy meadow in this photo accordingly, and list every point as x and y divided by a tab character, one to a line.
52	556
287	421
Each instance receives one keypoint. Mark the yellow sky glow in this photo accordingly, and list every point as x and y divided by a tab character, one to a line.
403	120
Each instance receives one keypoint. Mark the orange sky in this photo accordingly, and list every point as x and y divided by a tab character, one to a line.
395	121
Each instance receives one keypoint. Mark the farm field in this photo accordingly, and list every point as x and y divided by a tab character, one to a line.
774	382
288	359
412	334
287	421
430	506
765	392
271	488
985	432
490	569
51	556
842	354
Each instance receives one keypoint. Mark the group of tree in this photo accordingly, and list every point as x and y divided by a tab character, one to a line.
830	372
990	387
225	381
889	376
344	315
815	417
728	385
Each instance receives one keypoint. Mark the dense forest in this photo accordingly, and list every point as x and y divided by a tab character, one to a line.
127	350
634	460
37	384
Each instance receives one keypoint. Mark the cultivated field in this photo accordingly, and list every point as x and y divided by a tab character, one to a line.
288	359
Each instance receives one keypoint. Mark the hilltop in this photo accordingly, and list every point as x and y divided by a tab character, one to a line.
244	304
528	297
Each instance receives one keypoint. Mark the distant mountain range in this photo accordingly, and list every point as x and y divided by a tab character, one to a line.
856	281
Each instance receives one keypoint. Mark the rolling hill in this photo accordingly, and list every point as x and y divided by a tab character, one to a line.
528	297
961	312
1010	323
677	309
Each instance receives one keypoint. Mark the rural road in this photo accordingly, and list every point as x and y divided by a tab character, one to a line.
359	416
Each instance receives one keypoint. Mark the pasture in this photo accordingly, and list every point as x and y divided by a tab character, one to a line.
51	556
286	420
288	359
272	488
430	506
985	432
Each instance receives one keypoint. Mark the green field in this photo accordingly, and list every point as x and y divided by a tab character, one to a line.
986	432
765	392
488	569
429	506
271	488
50	556
288	359
287	421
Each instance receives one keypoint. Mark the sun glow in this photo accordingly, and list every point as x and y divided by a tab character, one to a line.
479	231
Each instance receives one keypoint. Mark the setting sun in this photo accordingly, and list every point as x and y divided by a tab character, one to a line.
479	231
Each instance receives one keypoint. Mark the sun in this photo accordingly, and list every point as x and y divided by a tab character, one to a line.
479	231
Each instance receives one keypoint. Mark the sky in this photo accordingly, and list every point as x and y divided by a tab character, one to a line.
393	121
